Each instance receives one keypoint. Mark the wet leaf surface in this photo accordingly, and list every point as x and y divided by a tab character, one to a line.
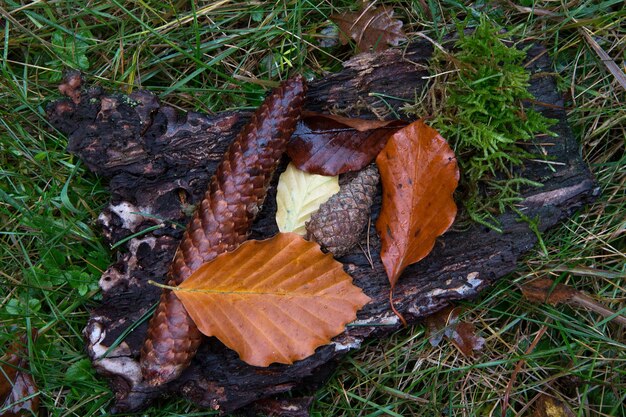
274	300
332	145
419	174
547	291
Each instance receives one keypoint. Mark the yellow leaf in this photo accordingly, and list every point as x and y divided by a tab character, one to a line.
299	195
275	300
546	406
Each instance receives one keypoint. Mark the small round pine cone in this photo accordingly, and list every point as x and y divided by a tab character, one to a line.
338	224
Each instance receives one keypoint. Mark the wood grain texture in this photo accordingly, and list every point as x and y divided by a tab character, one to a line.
153	157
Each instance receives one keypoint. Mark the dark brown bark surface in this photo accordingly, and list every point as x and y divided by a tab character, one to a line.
159	162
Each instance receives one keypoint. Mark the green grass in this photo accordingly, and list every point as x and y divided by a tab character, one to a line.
223	55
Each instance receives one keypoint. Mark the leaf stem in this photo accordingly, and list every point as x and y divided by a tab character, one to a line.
164	286
393	308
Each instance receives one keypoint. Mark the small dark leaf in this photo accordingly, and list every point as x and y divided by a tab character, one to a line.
9	363
332	145
362	125
546	291
22	400
17	388
446	323
464	337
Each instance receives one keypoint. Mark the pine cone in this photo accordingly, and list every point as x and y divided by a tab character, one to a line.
220	223
338	224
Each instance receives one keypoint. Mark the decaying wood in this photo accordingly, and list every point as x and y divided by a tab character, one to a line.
158	163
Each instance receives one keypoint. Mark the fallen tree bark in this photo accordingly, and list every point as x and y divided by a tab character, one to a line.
159	162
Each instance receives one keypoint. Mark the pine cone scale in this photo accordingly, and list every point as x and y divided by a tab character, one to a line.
339	223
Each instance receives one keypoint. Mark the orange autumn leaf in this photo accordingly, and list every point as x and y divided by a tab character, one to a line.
274	300
419	174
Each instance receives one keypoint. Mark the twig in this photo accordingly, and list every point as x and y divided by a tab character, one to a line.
605	58
582	300
533	10
518	367
368	254
587	271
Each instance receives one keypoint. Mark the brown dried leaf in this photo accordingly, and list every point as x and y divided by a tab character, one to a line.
438	322
275	300
22	400
465	339
333	145
419	175
17	388
446	323
9	364
370	28
546	291
339	223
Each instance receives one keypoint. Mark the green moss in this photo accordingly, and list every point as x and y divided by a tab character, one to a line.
485	121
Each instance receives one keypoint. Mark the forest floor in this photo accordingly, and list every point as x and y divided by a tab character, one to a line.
222	55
